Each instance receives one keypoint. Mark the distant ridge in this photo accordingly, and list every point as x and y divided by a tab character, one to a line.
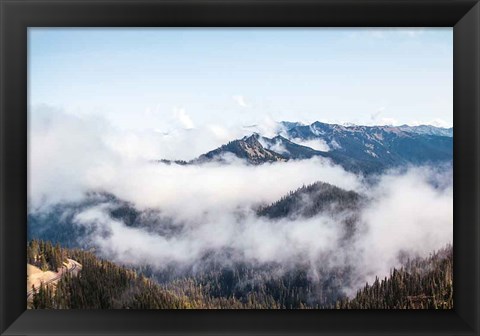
360	149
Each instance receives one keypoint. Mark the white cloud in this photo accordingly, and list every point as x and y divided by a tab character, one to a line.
98	156
240	100
317	144
212	203
405	215
236	184
63	150
183	118
222	133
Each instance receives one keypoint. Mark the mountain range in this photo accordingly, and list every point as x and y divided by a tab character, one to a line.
360	149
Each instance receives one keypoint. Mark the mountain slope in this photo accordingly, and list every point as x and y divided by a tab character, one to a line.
311	200
320	198
359	149
248	148
289	149
372	149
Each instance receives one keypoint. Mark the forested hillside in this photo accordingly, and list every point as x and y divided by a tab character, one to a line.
311	200
101	284
421	283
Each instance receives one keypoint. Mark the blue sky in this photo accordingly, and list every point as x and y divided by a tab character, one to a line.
156	78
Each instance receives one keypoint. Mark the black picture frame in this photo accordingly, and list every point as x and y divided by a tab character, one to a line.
17	15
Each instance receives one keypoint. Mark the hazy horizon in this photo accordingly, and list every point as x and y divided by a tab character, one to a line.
173	78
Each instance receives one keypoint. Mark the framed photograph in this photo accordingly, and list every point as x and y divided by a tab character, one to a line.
238	167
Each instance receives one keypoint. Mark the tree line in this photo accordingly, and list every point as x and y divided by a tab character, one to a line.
421	284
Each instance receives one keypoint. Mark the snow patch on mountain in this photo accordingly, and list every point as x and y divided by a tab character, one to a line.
315	130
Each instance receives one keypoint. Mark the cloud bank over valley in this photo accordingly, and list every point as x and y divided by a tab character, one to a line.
195	213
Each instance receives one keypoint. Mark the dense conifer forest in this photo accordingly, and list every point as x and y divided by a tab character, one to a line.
45	255
419	284
322	197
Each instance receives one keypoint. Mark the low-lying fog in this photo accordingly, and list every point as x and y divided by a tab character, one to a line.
407	212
